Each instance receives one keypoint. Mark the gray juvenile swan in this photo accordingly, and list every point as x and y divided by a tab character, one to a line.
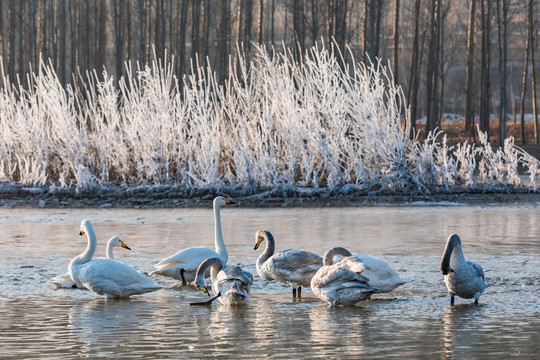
462	278
229	282
105	276
289	266
65	281
338	285
183	265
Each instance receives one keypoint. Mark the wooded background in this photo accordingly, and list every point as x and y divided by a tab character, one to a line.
470	57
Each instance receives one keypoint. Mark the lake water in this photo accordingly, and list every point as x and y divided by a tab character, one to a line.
414	321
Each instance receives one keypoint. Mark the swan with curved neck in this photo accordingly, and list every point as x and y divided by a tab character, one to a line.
183	265
106	276
462	278
338	285
381	276
230	283
65	281
289	266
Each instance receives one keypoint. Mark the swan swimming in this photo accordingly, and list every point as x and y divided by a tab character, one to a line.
338	285
381	276
105	276
229	282
183	265
462	278
65	281
289	266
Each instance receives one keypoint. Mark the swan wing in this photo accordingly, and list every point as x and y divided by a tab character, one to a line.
234	272
65	281
478	269
339	278
188	259
293	266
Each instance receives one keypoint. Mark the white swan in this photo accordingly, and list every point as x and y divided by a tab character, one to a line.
105	276
289	266
229	282
183	265
65	281
338	285
462	278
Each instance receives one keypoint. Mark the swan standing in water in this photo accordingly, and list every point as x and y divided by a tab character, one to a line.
338	285
381	276
289	266
105	276
462	278
65	281
229	282
183	265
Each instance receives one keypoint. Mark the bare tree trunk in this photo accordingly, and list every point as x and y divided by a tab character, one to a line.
502	66
182	37
432	70
485	67
298	29
195	29
469	85
413	79
260	37
224	39
524	80
272	26
396	42
533	71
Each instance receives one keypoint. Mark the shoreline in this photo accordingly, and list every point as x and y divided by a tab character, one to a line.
17	196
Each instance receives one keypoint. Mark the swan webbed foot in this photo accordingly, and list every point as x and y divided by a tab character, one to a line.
182	271
74	286
209	302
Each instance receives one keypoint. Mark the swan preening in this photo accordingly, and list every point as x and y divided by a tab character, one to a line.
106	276
381	276
230	283
65	281
338	285
183	265
289	266
462	278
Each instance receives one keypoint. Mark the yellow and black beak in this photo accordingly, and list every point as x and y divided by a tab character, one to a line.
204	289
81	233
256	246
123	244
228	202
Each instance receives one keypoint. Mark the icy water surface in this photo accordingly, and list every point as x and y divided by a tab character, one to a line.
414	321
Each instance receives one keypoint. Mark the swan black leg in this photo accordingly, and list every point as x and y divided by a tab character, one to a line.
184	282
299	291
293	292
451	299
475	301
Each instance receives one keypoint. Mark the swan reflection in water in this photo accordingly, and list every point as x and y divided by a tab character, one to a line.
333	328
103	324
460	336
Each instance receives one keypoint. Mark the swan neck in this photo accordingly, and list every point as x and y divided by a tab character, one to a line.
329	255
219	243
216	265
109	253
452	254
268	250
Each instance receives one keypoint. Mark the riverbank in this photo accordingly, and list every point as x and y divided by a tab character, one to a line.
17	196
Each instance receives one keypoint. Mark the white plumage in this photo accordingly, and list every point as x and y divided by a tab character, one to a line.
462	278
289	266
183	265
105	276
65	281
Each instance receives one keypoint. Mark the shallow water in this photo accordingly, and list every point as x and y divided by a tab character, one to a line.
414	321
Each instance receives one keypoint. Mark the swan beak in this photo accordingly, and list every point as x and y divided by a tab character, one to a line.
229	202
256	246
204	289
81	233
123	244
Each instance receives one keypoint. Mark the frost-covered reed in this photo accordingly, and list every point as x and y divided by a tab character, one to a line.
275	124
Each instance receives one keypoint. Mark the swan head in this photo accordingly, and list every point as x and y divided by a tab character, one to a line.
453	241
200	285
220	201
85	226
117	242
260	236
